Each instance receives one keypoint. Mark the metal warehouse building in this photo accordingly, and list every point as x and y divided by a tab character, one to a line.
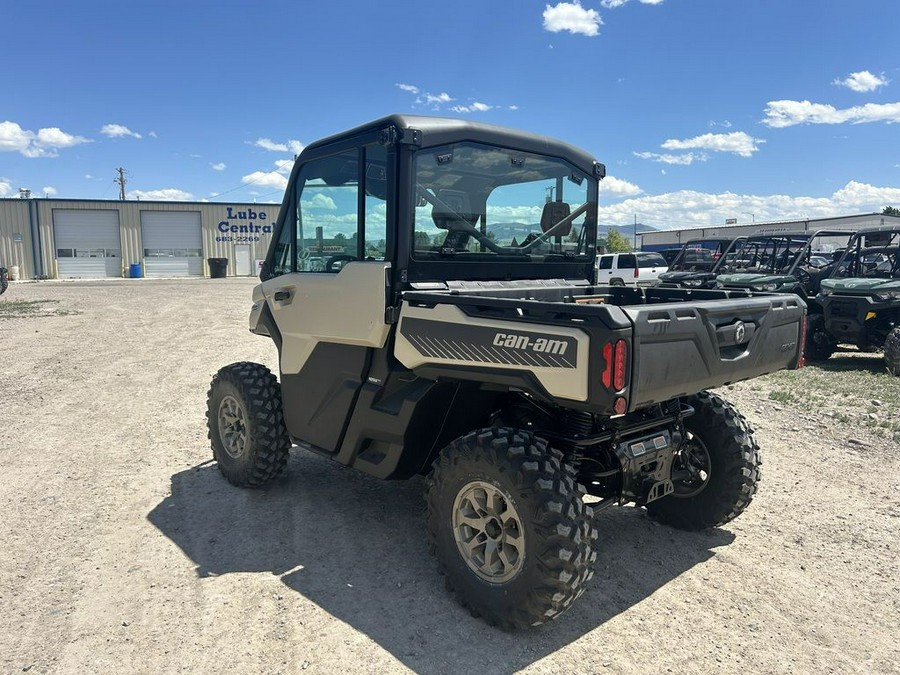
663	239
91	239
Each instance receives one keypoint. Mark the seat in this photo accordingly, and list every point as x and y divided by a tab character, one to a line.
553	213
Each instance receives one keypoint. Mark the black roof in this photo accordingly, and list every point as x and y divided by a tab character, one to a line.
431	131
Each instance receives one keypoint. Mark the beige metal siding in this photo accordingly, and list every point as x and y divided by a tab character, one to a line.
211	214
14	222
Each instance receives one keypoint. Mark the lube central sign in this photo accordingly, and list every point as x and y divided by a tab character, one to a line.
243	224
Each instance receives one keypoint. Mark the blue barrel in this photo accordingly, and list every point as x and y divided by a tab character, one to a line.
134	271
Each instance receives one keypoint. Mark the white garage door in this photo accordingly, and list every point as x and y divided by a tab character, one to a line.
172	245
87	244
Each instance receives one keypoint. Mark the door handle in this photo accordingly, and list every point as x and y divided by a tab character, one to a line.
281	296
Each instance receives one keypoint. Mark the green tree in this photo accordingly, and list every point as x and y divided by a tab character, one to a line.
340	236
422	240
890	211
616	243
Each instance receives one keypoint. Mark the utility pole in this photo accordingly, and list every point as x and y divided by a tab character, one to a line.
634	245
121	181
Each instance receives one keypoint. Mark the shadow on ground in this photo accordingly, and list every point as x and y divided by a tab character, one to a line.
845	360
356	547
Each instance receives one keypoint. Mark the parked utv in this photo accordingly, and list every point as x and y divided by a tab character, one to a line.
459	335
699	261
861	299
780	263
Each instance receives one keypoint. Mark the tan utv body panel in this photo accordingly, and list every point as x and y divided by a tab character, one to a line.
560	374
345	308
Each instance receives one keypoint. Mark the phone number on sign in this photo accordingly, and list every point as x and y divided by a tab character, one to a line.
237	239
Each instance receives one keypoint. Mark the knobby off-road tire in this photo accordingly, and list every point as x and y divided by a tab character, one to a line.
819	344
892	351
720	443
509	527
246	424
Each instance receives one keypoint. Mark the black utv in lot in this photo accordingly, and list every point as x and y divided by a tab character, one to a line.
861	299
458	334
781	263
699	261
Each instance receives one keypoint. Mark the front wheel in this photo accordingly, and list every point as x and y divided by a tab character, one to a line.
246	424
715	472
509	527
819	343
892	351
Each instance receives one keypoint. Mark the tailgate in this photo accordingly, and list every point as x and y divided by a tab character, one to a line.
683	348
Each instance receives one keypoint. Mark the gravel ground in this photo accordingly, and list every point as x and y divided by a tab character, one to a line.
123	549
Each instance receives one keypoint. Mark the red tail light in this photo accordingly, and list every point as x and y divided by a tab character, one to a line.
636	272
606	377
619	365
801	360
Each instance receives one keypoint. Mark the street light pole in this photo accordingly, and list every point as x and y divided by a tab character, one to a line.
634	244
752	216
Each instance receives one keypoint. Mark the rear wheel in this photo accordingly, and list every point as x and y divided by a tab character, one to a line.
892	351
246	424
819	344
716	471
509	527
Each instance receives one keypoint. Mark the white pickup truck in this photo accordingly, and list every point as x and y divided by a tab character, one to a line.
630	269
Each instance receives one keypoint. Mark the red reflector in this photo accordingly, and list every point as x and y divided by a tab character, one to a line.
606	378
801	360
620	406
619	365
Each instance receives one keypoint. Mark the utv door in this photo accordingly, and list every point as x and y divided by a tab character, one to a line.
330	289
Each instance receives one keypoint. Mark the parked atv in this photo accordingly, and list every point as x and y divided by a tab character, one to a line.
445	347
692	269
780	263
861	299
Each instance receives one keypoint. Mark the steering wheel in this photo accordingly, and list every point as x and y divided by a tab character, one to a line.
340	257
802	275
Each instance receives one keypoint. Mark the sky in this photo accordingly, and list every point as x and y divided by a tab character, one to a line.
702	110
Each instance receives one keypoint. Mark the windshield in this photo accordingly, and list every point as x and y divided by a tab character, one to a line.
771	255
480	202
650	260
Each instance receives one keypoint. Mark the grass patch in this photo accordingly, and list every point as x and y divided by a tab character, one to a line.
785	397
21	309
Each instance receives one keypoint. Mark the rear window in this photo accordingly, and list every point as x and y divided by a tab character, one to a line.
605	262
626	262
650	260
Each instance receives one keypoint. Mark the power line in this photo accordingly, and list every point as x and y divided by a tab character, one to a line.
121	181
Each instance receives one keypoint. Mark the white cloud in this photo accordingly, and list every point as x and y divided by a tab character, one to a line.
443	97
616	187
284	166
271	179
118	131
411	88
686	159
49	191
736	142
152	134
572	17
163	195
862	81
218	166
5	187
45	143
613	4
781	114
725	123
320	201
475	107
292	146
689	208
269	144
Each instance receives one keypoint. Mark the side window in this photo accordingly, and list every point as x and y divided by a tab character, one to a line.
281	263
606	262
328	213
626	262
375	217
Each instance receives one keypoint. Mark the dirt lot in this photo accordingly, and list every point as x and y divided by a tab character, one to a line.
123	550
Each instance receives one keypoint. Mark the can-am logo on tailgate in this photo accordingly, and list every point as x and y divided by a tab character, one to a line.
539	345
